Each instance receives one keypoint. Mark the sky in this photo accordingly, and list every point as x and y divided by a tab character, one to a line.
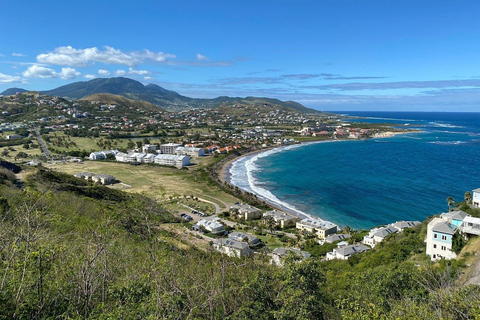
332	55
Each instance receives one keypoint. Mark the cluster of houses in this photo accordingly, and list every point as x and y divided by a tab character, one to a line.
442	230
169	154
96	178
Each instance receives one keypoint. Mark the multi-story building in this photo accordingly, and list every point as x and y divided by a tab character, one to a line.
439	239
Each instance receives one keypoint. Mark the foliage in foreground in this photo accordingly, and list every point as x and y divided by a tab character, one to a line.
76	251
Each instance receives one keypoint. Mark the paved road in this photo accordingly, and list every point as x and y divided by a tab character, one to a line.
43	145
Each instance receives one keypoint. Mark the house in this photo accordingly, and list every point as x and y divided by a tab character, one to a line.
470	225
476	198
280	254
211	226
377	235
337	237
98	155
343	253
439	239
169	148
246	212
232	248
13	137
149	158
103	179
454	217
402	225
245	237
281	219
121	157
321	228
85	175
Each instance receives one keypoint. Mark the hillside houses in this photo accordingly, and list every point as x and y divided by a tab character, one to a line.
281	219
377	235
96	178
345	252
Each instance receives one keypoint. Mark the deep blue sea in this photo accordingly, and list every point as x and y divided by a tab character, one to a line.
372	182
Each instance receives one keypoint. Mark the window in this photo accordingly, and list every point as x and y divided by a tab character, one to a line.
444	248
435	236
434	246
444	237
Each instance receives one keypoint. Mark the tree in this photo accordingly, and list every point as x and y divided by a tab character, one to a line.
130	144
450	203
5	152
468	197
458	242
270	223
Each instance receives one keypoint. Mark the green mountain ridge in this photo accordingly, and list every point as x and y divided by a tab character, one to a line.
157	95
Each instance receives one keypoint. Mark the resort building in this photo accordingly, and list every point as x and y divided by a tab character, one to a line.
252	241
471	225
190	151
280	254
149	148
343	253
169	148
402	225
439	239
98	178
232	248
246	212
320	228
476	198
171	160
211	226
281	219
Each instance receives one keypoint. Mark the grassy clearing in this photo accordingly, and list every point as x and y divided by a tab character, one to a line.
159	182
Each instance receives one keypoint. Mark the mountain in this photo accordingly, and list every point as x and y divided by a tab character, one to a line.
121	100
12	91
161	97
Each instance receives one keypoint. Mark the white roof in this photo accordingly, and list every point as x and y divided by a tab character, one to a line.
316	223
169	157
469	219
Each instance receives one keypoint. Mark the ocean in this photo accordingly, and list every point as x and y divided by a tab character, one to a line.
372	182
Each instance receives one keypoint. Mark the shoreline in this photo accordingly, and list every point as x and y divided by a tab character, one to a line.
225	175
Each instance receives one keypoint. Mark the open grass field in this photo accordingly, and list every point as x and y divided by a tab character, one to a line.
159	182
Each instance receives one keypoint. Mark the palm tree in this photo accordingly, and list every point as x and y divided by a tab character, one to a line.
468	197
270	223
450	202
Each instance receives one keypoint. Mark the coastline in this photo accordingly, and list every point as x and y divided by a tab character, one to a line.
225	175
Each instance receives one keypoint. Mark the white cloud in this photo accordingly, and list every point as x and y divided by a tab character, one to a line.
139	72
201	57
148	78
17	54
120	72
103	72
69	73
2	55
5	78
89	76
84	57
37	71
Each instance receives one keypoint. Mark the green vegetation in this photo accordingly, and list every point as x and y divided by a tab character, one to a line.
73	250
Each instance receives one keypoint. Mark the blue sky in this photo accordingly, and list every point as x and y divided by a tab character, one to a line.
329	54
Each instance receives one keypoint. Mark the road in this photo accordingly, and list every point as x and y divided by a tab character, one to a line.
43	145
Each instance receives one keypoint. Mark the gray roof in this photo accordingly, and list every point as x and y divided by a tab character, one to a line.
352	249
384	232
231	243
455	215
286	251
337	237
405	224
444	227
239	236
476	190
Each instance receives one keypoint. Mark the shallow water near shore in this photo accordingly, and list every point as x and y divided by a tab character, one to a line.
371	182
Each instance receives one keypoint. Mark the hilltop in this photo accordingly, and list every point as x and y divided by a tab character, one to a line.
158	96
121	100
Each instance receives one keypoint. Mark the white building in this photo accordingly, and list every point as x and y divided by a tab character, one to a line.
321	228
190	151
172	160
337	237
250	239
439	239
343	253
232	248
148	148
211	226
377	235
246	212
476	198
470	225
169	148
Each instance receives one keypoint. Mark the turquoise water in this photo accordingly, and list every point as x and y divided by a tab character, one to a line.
372	182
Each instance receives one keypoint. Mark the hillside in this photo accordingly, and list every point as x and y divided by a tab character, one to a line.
108	98
11	91
162	97
73	250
